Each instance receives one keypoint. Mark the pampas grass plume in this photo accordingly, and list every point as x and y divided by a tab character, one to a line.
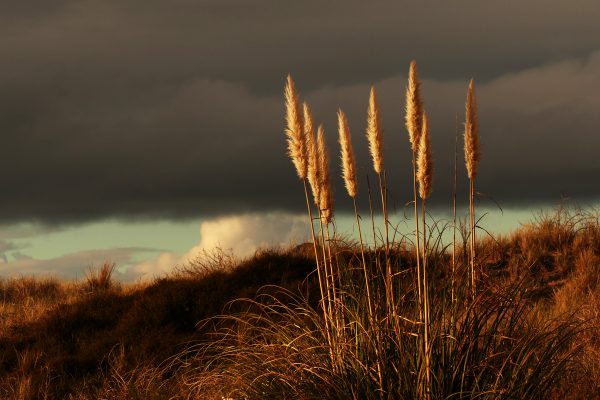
374	134
311	149
325	192
294	131
414	106
424	161
348	162
472	151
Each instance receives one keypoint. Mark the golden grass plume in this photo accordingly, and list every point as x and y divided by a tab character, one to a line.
348	161
414	106
472	151
294	131
425	161
311	149
374	134
325	192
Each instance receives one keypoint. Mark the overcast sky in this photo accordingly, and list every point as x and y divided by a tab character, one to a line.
145	110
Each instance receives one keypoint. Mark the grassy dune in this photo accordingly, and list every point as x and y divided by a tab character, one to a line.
183	336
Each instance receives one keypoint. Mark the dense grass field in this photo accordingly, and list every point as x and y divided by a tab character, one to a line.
532	331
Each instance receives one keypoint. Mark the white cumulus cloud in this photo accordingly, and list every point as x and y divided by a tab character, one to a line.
240	234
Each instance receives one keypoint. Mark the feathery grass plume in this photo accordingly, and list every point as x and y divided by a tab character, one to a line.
298	152
313	159
375	138
374	134
348	162
472	152
424	161
325	192
472	155
294	133
414	106
413	119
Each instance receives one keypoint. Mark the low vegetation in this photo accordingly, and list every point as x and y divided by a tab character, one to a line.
533	330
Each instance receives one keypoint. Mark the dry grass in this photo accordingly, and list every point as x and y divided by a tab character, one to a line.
374	134
425	161
57	341
294	131
100	279
347	155
414	106
313	156
325	190
471	136
279	347
472	156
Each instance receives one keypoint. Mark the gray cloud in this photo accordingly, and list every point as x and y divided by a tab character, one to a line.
174	109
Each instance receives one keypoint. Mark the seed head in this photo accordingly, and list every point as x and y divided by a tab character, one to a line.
424	161
414	106
348	162
295	137
374	134
325	193
472	151
311	149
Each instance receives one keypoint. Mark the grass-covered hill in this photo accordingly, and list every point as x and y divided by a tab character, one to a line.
531	332
60	339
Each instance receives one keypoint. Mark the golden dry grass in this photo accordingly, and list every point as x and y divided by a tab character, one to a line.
325	190
472	150
313	156
294	131
374	133
414	106
425	161
125	334
347	155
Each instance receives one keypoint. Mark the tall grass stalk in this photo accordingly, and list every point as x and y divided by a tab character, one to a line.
349	175
321	201
375	138
297	133
372	213
452	297
326	213
425	177
472	156
313	179
414	117
374	135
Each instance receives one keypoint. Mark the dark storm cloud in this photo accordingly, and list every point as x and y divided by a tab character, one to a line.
135	109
